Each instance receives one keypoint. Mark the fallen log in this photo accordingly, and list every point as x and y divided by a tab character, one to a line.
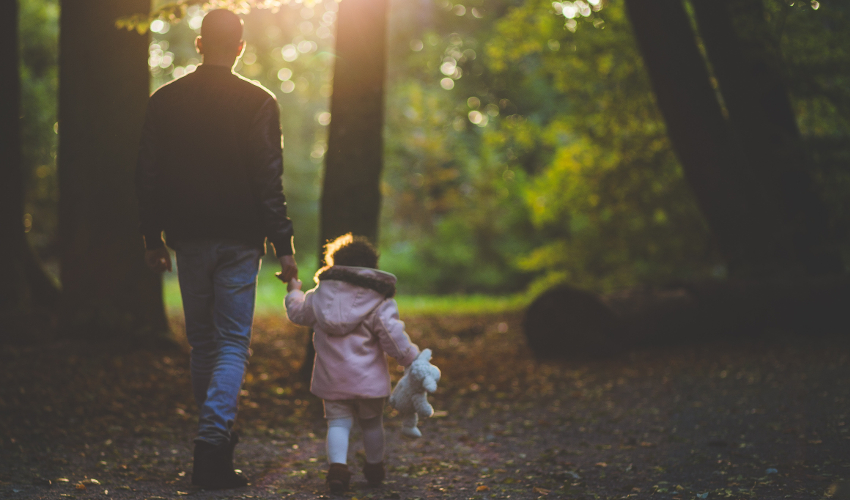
565	322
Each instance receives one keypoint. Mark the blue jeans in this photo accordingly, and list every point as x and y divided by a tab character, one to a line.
218	282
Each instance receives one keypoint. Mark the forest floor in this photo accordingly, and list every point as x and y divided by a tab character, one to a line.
765	418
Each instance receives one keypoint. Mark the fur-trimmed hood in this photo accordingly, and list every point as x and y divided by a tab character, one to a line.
364	277
346	295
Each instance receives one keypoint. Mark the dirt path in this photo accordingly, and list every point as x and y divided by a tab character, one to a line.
766	419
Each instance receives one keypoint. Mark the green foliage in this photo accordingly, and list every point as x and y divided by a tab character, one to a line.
610	196
454	218
174	12
813	40
38	38
570	176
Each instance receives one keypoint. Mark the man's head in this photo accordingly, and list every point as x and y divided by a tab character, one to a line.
349	250
221	38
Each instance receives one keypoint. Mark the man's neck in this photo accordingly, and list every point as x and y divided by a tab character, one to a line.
214	61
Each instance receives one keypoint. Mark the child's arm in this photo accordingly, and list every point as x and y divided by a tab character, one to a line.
298	306
391	335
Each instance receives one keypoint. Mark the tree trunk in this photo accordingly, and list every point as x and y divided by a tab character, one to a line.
104	86
351	195
712	160
736	39
25	288
351	190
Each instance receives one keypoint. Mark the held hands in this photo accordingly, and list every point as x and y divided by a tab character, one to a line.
294	284
158	260
289	272
288	268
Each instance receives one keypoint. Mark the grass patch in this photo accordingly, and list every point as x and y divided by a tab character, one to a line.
270	294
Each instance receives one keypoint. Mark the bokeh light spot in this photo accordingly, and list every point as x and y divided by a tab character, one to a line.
284	74
289	53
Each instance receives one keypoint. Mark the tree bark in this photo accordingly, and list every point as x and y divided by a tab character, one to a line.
736	39
351	195
24	286
712	160
351	189
104	86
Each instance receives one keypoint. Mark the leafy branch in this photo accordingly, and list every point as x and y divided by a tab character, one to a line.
174	12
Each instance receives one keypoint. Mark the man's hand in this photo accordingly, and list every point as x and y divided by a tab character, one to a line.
158	259
288	268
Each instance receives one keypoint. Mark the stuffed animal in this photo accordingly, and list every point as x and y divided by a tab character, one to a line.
409	396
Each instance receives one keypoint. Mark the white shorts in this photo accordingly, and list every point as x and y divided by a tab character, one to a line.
350	408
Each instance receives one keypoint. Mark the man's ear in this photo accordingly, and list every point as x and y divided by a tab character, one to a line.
241	49
199	45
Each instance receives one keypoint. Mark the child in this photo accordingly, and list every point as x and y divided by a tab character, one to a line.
356	322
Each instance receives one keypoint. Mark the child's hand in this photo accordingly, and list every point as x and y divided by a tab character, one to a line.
294	284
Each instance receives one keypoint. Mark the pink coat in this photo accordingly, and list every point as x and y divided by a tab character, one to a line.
356	324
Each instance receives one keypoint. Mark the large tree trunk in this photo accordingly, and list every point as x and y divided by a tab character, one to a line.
736	39
712	160
24	286
351	191
104	86
749	172
351	195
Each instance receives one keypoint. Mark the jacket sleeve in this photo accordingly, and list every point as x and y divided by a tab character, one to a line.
148	189
391	335
267	171
299	307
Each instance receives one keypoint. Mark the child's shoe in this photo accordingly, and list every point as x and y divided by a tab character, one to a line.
338	478
374	473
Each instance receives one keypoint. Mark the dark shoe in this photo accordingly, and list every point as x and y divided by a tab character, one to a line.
213	467
338	478
234	440
374	473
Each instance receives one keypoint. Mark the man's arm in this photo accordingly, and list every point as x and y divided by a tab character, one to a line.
267	163
149	195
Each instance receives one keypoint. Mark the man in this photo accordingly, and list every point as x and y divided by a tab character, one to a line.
209	175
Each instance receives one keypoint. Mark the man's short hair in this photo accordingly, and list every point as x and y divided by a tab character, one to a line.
350	250
221	29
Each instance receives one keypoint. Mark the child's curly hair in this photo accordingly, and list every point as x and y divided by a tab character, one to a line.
350	250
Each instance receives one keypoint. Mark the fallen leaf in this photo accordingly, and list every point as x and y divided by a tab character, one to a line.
483	487
80	486
647	444
540	491
601	464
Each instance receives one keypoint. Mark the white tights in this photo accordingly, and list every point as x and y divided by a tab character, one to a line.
373	439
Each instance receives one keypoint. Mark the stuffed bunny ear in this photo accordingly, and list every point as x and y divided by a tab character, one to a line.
425	355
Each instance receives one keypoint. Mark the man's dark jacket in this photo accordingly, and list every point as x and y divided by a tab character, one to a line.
210	163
